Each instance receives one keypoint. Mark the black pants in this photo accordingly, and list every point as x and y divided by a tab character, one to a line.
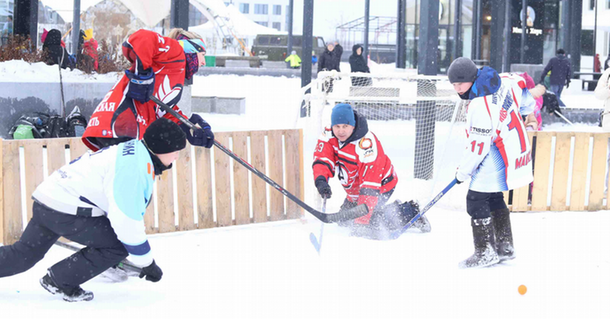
46	226
480	205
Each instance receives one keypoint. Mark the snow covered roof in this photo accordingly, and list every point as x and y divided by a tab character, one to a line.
242	26
149	11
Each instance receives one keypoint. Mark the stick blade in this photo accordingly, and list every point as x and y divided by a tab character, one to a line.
314	242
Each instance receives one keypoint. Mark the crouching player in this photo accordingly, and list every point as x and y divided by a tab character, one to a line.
99	201
355	154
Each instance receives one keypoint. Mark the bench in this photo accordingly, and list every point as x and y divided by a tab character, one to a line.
254	61
591	84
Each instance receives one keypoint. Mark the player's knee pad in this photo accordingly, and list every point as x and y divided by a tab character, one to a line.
477	204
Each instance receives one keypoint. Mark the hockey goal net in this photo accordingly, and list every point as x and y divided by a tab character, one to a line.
419	120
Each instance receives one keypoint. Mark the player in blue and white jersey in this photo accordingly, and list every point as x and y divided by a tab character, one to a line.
99	201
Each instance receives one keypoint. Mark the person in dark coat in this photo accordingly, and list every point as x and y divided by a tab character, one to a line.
338	53
607	63
54	53
358	64
328	61
561	72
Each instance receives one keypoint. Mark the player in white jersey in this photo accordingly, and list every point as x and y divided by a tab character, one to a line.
99	201
497	157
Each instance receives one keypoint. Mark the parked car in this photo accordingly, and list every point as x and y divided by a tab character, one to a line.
274	47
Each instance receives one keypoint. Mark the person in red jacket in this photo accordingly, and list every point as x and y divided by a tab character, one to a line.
159	66
355	154
90	49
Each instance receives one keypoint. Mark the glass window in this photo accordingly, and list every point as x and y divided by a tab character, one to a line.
244	8
276	41
263	40
297	41
263	23
320	43
586	38
277	26
277	9
591	4
260	9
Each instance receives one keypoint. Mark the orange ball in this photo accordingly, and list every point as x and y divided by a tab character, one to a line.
522	289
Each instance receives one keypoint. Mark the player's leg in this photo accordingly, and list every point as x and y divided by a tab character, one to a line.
477	204
501	221
103	251
34	243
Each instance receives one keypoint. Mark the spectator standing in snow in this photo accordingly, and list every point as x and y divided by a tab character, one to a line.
294	60
89	55
358	63
561	72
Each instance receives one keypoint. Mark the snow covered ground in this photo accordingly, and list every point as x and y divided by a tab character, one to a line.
272	271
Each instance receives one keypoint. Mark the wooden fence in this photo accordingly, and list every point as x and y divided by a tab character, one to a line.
277	153
569	173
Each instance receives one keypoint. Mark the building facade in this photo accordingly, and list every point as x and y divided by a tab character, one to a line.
268	13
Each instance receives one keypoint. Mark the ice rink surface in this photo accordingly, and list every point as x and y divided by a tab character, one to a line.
272	271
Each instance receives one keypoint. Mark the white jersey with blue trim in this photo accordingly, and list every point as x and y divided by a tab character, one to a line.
498	153
525	100
116	182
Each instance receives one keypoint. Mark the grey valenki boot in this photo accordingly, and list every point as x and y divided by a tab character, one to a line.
484	245
504	234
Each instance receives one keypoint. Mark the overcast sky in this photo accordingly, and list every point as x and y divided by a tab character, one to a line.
328	14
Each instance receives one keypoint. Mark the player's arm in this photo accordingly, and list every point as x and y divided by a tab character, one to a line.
141	48
480	133
324	157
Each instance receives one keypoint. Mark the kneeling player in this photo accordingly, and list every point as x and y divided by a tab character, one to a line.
366	173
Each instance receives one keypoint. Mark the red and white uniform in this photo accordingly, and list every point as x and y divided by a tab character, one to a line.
120	116
498	153
365	171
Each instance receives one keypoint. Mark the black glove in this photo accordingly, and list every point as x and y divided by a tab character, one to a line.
141	86
201	136
153	272
568	84
323	187
550	102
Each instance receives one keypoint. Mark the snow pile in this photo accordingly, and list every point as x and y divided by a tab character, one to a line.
21	71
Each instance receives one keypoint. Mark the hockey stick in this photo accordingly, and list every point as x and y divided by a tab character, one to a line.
125	264
397	233
344	215
563	117
317	244
61	87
